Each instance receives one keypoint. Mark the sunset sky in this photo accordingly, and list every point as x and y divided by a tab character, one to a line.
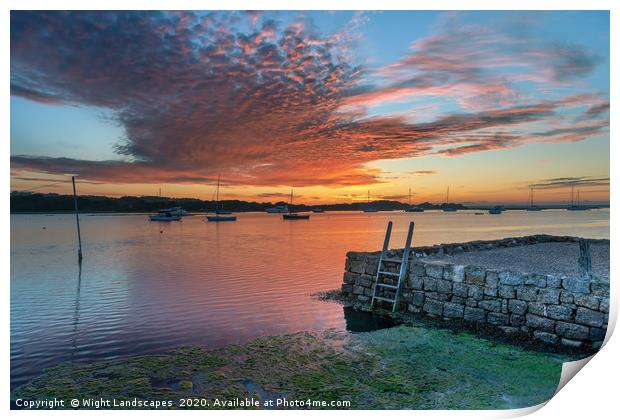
330	103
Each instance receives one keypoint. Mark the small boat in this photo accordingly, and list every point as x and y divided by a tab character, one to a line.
218	218
175	211
369	209
282	208
318	210
448	207
496	210
413	209
532	207
164	216
577	206
221	215
294	216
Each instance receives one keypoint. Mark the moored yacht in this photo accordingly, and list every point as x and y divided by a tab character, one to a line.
221	215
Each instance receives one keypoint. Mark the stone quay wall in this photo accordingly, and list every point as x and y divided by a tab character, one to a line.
555	310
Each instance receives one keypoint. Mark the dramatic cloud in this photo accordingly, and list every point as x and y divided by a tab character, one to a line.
272	103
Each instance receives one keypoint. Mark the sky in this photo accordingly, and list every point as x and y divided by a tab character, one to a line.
337	105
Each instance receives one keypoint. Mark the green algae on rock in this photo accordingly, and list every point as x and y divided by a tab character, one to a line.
405	367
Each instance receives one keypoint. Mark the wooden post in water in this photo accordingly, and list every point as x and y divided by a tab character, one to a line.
585	259
77	220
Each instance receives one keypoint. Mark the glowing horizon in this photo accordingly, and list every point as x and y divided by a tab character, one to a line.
332	104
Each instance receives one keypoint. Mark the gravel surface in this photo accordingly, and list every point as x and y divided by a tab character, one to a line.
545	258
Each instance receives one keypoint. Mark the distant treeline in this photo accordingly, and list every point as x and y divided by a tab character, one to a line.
25	202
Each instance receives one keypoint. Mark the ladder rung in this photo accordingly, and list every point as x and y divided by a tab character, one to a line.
389	273
392	260
385	299
390	286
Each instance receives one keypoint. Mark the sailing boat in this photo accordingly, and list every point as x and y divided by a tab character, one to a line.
532	207
573	206
220	214
369	209
294	216
448	206
413	209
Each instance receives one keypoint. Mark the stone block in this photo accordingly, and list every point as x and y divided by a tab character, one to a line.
490	305
366	280
458	274
537	308
554	281
576	285
537	280
510	278
491	278
418	269
444	286
460	289
453	310
587	301
560	312
566	297
475	292
600	289
430	284
551	296
506	292
517	320
457	299
571	343
474	314
597	334
368	291
490	292
347	288
472	303
363	298
358	266
546	337
509	330
350	278
474	275
528	293
372	265
517	307
496	318
570	330
414	309
416	282
434	270
589	317
604	305
433	307
539	323
417	298
358	290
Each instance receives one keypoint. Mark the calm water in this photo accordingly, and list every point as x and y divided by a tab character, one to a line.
149	287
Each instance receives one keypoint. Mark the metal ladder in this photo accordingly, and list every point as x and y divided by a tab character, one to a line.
381	271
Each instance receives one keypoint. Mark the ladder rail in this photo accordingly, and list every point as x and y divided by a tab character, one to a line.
404	263
404	266
386	244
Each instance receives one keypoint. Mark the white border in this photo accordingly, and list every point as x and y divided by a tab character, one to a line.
591	395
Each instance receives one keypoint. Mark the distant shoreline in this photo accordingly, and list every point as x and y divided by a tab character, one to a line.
199	213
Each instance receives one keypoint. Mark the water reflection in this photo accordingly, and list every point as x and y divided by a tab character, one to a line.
147	287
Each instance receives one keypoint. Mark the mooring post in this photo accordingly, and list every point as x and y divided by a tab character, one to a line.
77	221
585	259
